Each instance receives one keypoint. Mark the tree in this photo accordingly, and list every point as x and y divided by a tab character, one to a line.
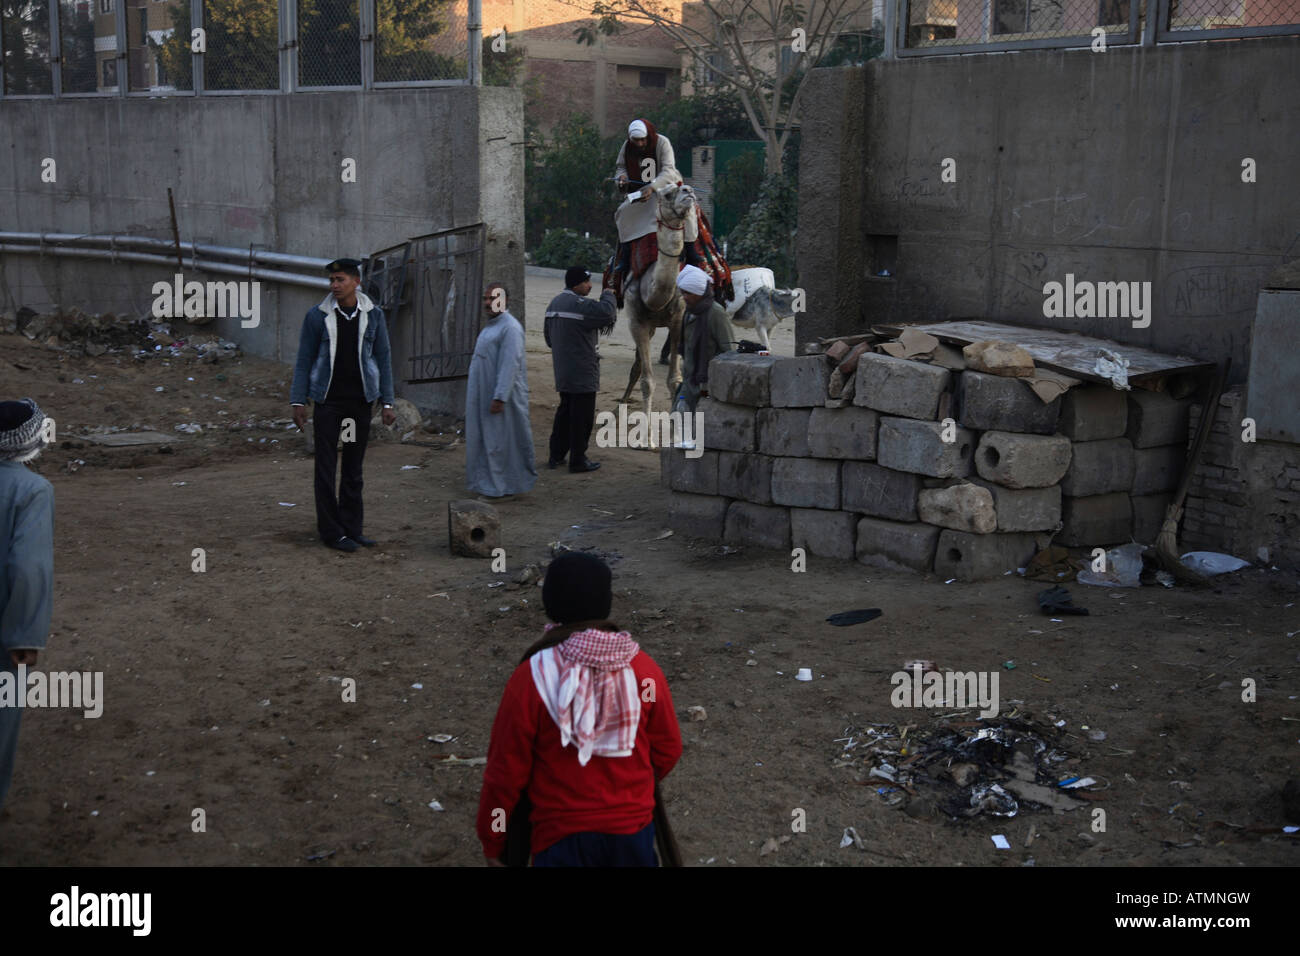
26	42
741	42
567	181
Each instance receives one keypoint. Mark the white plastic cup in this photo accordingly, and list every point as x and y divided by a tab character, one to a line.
805	673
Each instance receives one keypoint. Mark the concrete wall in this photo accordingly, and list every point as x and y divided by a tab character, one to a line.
262	170
1123	165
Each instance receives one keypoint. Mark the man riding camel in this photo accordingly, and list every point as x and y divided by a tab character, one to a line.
645	165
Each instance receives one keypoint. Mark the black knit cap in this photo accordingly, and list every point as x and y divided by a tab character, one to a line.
575	275
577	588
351	266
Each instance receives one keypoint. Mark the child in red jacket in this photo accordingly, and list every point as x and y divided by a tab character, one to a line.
586	727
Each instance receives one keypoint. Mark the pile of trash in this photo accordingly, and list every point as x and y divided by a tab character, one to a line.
964	767
109	332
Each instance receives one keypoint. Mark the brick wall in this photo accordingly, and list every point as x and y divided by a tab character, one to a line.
1245	496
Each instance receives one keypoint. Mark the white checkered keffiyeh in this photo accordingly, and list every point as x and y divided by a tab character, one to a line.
590	691
26	441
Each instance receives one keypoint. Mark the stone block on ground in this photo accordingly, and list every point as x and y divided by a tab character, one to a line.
899	386
826	534
994	403
806	482
407	419
1022	461
1093	412
1154	418
1025	509
727	427
1158	469
473	528
892	543
745	476
879	492
845	433
906	444
740	378
1096	521
1098	468
1149	516
699	516
758	526
962	507
975	557
800	382
783	431
697	475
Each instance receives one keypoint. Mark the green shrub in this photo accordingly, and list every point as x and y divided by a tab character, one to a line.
561	248
766	235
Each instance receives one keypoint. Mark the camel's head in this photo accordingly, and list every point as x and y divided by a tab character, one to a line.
675	202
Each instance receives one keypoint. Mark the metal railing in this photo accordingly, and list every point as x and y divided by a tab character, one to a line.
921	27
187	47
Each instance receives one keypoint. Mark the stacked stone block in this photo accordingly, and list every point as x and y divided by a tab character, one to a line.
886	480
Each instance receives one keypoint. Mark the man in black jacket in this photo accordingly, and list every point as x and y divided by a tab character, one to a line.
572	324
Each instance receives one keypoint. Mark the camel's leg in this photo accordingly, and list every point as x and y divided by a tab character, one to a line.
641	332
675	355
636	371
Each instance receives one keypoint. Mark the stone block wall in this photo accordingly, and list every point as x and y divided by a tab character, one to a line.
958	472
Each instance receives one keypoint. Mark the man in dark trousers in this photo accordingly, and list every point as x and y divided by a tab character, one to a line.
573	323
343	366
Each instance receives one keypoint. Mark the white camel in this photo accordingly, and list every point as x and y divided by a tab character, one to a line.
653	300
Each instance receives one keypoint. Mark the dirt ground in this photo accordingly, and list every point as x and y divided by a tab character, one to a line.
223	688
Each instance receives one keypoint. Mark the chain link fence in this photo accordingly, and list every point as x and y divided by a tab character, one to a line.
952	26
235	45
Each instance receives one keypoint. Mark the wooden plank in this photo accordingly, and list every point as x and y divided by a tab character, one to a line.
1065	352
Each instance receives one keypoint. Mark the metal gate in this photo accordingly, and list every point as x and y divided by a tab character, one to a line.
429	288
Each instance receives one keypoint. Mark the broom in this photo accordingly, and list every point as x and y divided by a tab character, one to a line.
1167	550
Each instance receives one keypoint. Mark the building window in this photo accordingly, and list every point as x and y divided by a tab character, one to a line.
110	73
654	78
1027	16
787	60
709	75
105	6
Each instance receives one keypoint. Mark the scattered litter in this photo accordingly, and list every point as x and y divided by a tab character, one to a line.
417	687
845	618
410	468
1165	578
949	581
805	673
751	663
436	806
992	799
659	537
442	738
177	484
1009	665
697	713
160	389
851	838
1097	736
323	855
497	584
1212	562
1290	829
288	504
1123	567
1078	783
1057	600
1113	366
1000	842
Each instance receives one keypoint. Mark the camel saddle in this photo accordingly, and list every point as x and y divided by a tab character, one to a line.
645	252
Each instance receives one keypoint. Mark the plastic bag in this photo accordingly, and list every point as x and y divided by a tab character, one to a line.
1213	562
1123	568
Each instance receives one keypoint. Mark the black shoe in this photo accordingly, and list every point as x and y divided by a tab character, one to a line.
555	463
362	540
587	465
343	544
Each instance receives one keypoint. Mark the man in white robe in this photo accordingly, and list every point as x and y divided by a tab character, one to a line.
498	435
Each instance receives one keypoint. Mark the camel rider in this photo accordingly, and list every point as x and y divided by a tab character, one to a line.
707	332
645	157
